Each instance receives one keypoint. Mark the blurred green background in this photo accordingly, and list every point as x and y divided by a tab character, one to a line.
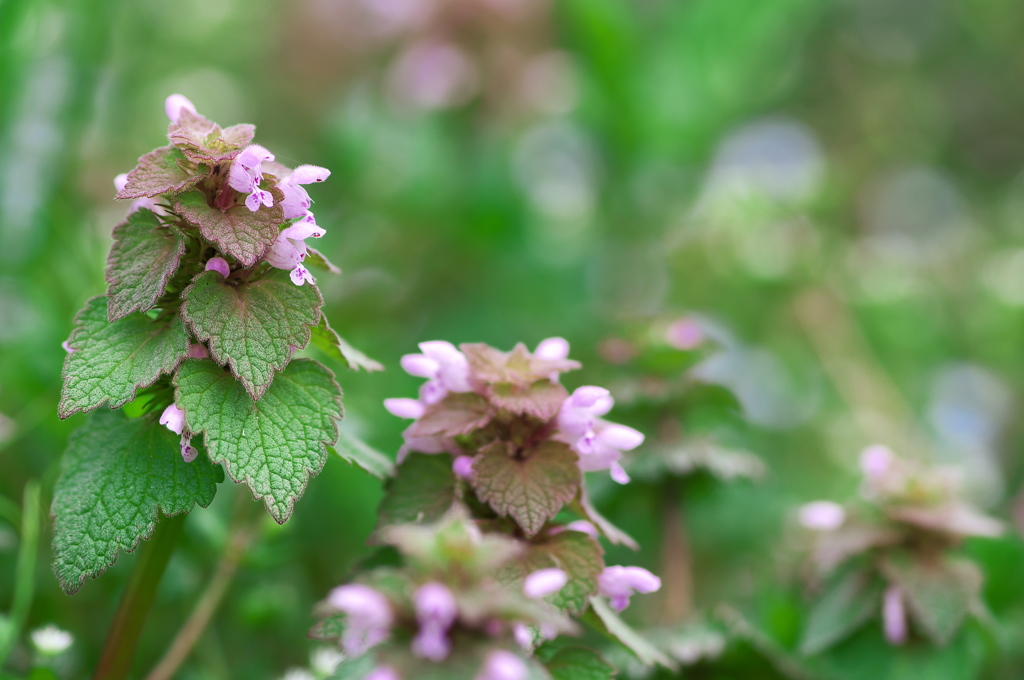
833	187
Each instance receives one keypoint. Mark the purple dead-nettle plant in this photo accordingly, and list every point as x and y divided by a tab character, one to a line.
498	545
892	555
208	298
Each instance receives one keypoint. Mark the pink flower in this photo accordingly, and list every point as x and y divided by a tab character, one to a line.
445	366
894	616
436	611
502	665
580	525
822	515
405	408
875	462
67	348
218	264
544	582
383	673
553	349
246	173
289	250
581	410
188	452
296	201
175	104
173	418
684	334
368	616
599	443
463	466
619	583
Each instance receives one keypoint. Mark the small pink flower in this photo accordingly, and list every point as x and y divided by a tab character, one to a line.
296	201
218	264
822	515
894	616
875	462
544	582
198	351
246	174
502	665
173	418
368	616
436	611
619	583
463	466
580	525
553	349
446	368
67	348
405	408
188	452
684	334
301	275
175	104
383	673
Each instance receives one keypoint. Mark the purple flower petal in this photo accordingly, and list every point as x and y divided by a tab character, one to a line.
404	408
309	174
173	418
544	582
175	104
218	264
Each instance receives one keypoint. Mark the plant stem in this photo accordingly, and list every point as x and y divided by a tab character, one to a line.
676	559
119	650
239	531
24	577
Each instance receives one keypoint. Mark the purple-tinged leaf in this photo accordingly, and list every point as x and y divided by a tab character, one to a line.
203	140
529	485
143	258
542	399
575	553
239	232
253	327
458	413
162	171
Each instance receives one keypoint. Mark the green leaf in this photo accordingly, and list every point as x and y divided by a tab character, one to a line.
161	171
530	485
605	621
324	338
357	452
354	669
252	327
575	553
614	534
203	140
111	361
939	591
576	663
850	599
274	445
118	475
239	232
458	413
421	492
143	258
314	258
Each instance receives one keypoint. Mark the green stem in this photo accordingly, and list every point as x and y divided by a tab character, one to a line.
25	570
119	650
240	530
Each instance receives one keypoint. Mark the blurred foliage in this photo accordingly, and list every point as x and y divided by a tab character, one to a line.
834	187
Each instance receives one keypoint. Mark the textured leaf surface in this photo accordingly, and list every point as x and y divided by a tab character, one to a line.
202	139
112	360
274	445
939	592
421	492
577	663
848	602
354	450
252	327
606	621
239	232
458	413
143	258
542	399
324	337
530	486
118	473
575	553
161	171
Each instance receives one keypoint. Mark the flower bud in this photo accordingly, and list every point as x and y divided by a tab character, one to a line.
544	582
618	584
822	515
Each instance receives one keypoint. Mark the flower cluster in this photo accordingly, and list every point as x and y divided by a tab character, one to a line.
230	172
900	535
471	394
454	587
